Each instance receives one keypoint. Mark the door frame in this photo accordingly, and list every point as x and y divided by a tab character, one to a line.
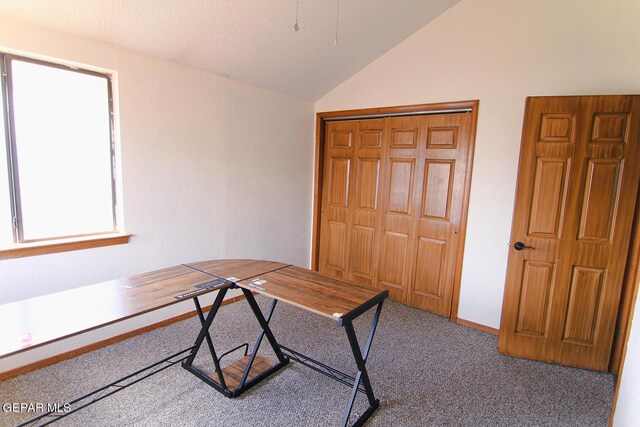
321	120
628	296
628	302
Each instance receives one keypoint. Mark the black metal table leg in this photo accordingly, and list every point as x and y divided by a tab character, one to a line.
204	333
256	347
214	356
362	376
245	383
264	325
97	395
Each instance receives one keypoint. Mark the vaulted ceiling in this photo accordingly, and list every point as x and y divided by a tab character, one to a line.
247	40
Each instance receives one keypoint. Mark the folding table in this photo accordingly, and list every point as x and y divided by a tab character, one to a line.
49	318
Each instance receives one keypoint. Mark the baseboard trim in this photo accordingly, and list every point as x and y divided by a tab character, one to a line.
478	326
88	348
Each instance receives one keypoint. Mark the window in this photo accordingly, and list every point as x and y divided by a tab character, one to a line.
58	182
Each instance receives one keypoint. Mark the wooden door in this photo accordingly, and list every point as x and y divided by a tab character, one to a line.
350	199
392	204
365	241
404	136
335	220
575	199
438	211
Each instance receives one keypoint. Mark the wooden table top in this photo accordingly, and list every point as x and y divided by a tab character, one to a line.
45	319
325	295
41	320
236	269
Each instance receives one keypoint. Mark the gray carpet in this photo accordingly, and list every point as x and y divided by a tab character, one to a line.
425	370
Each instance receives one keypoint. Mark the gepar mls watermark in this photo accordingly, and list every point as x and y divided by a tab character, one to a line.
35	407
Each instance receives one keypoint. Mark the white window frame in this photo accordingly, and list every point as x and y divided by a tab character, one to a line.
13	165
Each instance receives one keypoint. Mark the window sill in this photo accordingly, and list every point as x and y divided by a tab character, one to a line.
63	245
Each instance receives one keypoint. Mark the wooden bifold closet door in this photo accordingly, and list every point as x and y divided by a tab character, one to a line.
393	195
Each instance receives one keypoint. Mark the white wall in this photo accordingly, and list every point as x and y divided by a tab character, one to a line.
500	52
627	411
211	168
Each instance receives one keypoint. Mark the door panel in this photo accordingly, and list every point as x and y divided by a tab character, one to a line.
337	236
350	217
557	127
339	181
442	137
404	133
367	183
341	138
362	252
365	214
438	188
430	264
599	202
393	261
402	181
442	156
371	138
584	305
575	200
535	298
336	199
548	198
400	186
610	127
392	204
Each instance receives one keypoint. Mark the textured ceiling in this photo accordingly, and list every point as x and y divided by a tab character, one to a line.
248	40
